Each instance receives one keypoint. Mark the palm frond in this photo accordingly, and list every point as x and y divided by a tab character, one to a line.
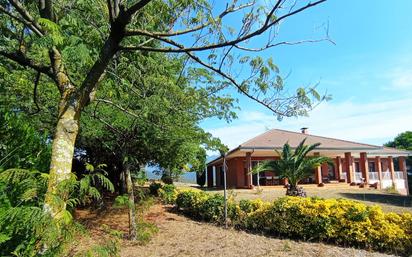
294	165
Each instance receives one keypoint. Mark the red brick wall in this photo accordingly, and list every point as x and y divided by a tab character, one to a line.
209	176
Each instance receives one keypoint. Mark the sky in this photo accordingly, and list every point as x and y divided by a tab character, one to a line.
368	73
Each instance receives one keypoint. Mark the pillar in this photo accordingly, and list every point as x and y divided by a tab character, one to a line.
218	176
318	173
378	167
402	167
349	167
325	169
391	168
338	168
248	175
363	165
209	176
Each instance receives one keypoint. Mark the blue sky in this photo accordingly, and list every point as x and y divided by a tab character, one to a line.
368	72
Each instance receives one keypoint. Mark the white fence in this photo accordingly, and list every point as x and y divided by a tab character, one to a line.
386	175
399	181
358	177
399	175
373	177
344	176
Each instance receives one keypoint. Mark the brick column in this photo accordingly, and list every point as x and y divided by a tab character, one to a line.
391	168
349	167
209	176
338	168
248	176
325	169
217	176
378	166
363	163
402	167
318	173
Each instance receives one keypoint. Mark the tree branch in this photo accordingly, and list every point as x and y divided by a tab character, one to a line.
23	21
36	83
137	6
118	107
46	9
234	42
24	61
111	11
194	29
25	14
284	43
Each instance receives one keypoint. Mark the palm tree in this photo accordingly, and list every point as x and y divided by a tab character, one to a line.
294	165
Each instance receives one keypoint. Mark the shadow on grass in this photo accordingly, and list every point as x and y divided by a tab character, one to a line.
208	188
396	200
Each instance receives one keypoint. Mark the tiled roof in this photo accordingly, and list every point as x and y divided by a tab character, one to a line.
276	138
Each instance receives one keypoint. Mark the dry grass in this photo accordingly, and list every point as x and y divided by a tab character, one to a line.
388	202
180	236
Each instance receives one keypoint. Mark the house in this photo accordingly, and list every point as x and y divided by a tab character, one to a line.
353	163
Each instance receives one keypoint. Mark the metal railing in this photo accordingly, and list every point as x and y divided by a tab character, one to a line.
343	176
386	175
399	175
358	176
373	176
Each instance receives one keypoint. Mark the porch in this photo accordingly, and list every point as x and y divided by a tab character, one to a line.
380	172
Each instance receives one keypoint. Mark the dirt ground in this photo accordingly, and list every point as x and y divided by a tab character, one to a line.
388	202
180	236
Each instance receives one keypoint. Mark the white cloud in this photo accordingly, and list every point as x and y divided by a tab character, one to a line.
401	78
372	122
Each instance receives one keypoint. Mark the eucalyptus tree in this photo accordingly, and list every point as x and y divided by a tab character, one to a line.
73	43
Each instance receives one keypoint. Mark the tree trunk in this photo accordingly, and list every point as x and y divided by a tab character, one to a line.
294	190
132	206
122	183
64	139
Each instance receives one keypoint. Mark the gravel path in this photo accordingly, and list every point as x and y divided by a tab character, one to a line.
180	236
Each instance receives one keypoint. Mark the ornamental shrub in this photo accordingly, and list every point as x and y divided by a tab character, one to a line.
344	222
154	188
168	194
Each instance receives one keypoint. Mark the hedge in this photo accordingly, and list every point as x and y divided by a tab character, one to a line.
339	221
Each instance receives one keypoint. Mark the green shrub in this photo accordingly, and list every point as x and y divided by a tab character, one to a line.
344	222
168	194
154	188
167	179
212	208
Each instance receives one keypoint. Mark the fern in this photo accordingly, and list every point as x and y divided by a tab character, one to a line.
26	229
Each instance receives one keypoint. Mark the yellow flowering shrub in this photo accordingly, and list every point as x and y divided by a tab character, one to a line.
342	221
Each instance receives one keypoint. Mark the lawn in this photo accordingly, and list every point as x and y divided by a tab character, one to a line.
389	202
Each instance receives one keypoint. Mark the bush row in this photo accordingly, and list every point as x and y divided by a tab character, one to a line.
339	221
167	192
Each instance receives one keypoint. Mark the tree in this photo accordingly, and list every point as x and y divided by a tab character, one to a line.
294	165
402	141
73	44
159	128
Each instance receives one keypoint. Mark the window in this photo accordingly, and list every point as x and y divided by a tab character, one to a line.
371	166
255	163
